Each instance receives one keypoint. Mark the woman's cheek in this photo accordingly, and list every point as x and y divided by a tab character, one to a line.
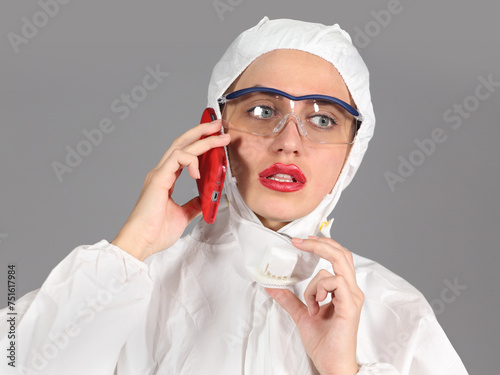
237	160
339	158
243	154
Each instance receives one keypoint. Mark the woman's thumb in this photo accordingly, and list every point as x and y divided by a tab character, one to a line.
192	209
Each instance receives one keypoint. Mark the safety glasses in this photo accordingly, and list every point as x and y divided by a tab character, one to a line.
266	111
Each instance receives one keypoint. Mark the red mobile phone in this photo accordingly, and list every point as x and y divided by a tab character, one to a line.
212	166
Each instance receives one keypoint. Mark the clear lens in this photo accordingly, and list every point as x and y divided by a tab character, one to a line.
264	113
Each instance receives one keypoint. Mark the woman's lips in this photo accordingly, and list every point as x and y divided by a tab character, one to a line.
284	178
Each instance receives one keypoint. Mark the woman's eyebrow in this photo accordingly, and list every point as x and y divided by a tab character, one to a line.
273	95
266	93
319	100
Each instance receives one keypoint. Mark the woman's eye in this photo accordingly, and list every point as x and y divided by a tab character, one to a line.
322	121
261	112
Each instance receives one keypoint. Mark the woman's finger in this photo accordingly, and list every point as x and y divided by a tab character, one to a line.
191	136
289	301
203	145
311	292
334	255
195	149
167	173
324	284
335	244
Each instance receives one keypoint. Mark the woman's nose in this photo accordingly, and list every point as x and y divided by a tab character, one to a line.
289	139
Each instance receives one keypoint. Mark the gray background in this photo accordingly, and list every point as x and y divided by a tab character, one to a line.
439	225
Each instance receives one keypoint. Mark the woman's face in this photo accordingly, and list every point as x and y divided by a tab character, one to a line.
297	73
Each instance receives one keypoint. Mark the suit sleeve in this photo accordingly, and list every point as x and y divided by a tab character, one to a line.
80	318
426	351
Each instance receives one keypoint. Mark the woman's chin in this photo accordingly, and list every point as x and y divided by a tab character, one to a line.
275	211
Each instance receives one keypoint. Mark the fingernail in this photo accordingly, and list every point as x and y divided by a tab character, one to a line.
225	135
297	240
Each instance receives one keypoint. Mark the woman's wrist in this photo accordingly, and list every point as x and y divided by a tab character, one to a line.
131	245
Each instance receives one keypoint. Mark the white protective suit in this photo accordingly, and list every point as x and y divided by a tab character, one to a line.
196	307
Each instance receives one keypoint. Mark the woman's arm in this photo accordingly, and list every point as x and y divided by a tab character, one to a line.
156	221
80	318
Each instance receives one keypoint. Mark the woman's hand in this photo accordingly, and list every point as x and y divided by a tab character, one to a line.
328	332
157	222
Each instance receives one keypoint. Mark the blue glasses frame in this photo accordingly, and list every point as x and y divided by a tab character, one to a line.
236	94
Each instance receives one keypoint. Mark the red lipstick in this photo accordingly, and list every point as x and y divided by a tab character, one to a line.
284	178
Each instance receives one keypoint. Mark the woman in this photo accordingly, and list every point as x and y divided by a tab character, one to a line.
243	295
